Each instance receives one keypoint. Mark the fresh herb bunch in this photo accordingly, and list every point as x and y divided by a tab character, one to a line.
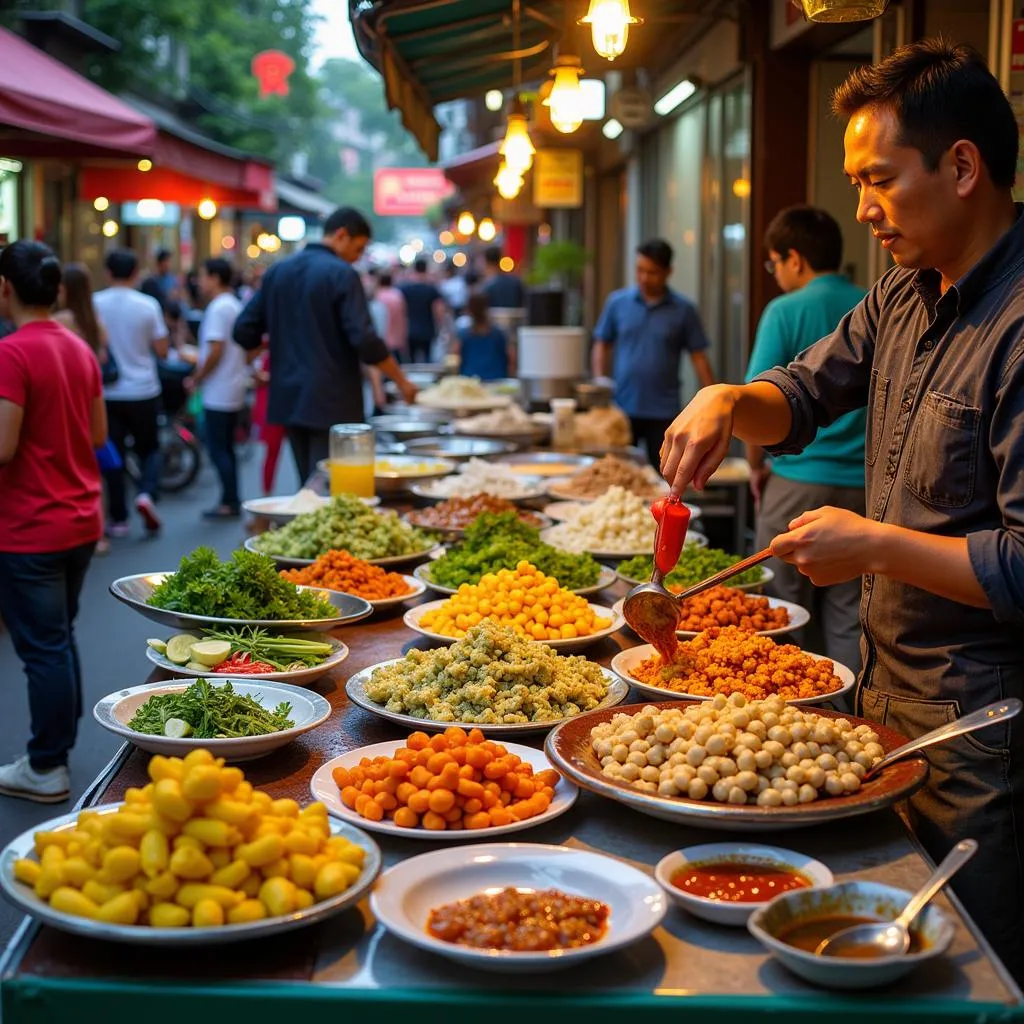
283	652
213	712
346	524
246	587
695	564
501	541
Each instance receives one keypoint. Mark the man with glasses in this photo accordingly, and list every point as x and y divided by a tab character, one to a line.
805	249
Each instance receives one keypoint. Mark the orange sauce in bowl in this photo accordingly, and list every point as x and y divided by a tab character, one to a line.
739	882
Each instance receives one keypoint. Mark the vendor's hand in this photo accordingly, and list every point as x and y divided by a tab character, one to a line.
698	439
829	545
408	390
758	479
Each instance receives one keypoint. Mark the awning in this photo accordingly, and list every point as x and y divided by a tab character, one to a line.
307	202
39	94
129	185
474	166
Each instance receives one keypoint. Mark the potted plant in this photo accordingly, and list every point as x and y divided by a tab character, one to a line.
558	267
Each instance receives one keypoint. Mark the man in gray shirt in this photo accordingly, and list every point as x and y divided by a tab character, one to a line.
936	352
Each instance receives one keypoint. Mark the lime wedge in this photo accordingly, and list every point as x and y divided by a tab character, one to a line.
177	728
158	645
179	647
211	652
197	666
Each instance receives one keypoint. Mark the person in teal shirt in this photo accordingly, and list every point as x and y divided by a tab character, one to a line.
805	249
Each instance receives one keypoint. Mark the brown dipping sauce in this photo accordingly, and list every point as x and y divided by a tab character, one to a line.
738	882
810	933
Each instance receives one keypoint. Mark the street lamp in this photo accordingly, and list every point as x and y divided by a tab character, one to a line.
207	209
517	147
565	101
466	224
486	230
509	182
609	22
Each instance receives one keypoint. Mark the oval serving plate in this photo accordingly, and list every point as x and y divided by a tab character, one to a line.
355	689
605	579
142	935
286	562
569	750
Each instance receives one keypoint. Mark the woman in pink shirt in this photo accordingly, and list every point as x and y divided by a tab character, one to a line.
52	419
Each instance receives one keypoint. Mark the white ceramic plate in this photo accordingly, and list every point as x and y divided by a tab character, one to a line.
406	894
387	603
465	404
606	579
439	490
563	510
276	509
798	616
323	789
767	576
309	710
286	562
625	661
296	677
413	615
692	537
406	468
355	689
140	935
719	911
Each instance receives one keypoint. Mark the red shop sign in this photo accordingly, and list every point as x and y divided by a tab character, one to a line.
408	191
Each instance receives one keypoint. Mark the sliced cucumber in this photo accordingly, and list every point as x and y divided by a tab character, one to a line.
211	652
198	666
158	645
179	647
177	728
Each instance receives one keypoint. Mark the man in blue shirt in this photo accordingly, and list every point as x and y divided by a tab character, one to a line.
805	249
638	341
313	307
426	310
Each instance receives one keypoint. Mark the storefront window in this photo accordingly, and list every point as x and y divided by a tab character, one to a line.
9	175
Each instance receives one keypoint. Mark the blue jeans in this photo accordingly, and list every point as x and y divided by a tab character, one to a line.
38	603
220	443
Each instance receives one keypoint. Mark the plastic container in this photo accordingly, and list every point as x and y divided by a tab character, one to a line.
563	431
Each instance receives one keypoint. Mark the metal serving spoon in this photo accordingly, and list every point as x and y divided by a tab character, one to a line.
652	611
1001	710
893	938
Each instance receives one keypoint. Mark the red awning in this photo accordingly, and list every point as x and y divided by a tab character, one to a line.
472	168
42	95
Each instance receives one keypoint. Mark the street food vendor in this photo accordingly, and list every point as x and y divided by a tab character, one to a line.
936	352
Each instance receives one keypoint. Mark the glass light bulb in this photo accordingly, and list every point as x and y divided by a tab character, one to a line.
517	147
609	22
509	182
565	100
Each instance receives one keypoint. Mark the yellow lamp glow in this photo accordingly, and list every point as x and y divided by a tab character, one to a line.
517	147
741	188
507	264
207	209
609	22
145	165
446	238
110	228
509	182
486	230
565	101
101	203
459	259
466	224
252	251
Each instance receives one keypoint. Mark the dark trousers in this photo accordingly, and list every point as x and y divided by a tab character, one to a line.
308	448
651	433
220	443
419	349
38	603
137	420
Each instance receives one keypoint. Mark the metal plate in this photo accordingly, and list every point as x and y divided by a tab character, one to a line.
799	616
568	747
459	405
528	434
140	935
605	579
271	508
459	449
296	677
323	788
355	689
432	490
547	464
135	591
284	562
309	710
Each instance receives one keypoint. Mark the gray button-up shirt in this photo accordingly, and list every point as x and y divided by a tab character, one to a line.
943	380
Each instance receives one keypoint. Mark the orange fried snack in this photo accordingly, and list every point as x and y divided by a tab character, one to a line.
449	781
338	570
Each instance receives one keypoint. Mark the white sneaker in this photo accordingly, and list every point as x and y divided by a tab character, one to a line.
20	779
145	507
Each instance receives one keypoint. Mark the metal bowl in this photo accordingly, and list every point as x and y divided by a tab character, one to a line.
459	449
135	591
404	428
422	413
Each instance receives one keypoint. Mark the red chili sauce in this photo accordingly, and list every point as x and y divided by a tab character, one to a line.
738	882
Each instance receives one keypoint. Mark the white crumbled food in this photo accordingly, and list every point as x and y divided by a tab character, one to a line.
733	751
305	501
510	420
617	521
480	477
452	390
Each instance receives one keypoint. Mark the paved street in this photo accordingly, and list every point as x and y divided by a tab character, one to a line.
111	639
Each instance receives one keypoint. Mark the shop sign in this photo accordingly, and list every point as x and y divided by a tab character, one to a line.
558	179
409	191
631	107
271	69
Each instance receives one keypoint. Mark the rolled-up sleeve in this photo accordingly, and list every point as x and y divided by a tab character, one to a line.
997	555
356	323
830	378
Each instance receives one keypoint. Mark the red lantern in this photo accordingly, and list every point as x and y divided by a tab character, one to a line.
272	68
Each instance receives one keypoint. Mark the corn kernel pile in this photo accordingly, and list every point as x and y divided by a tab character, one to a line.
532	604
197	846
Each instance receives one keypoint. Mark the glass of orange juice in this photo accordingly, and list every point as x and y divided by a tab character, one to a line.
352	453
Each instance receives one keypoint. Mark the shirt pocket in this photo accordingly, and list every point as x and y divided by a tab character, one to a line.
943	454
879	393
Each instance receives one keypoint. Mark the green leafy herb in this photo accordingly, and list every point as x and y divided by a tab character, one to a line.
246	587
500	541
695	564
213	712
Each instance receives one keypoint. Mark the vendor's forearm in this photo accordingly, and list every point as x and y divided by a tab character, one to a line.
390	368
939	565
761	415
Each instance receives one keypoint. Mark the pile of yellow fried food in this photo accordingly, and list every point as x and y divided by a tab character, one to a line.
197	846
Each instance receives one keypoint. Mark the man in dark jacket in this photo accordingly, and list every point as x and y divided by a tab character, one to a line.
313	307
